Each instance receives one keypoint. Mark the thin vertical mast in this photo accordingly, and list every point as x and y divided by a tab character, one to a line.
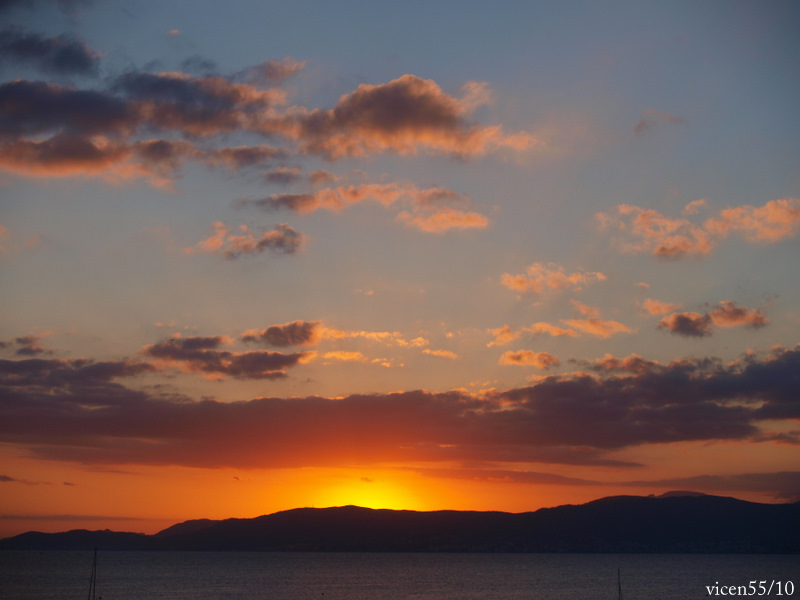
93	579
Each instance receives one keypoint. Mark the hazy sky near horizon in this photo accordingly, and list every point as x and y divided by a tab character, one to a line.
260	255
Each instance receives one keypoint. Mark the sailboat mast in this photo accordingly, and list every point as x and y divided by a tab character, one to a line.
93	579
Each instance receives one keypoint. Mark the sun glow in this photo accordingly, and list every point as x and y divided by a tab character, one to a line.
373	490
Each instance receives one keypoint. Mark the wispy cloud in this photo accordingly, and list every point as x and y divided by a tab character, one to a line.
540	277
540	360
282	239
432	210
651	118
640	230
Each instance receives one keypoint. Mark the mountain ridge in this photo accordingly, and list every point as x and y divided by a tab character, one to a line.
684	522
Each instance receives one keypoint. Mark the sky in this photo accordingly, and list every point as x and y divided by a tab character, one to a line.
257	256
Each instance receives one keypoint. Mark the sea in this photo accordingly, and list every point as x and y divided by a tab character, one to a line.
53	575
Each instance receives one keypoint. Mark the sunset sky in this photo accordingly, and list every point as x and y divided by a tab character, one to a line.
263	255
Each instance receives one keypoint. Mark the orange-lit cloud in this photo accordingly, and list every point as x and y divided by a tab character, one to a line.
727	314
776	221
57	130
583	309
647	230
433	210
444	220
657	307
280	240
386	338
540	277
598	327
540	360
724	314
504	335
345	356
441	353
653	232
406	115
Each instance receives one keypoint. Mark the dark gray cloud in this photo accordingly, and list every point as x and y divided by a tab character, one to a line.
34	108
296	333
27	345
73	410
57	55
687	324
203	355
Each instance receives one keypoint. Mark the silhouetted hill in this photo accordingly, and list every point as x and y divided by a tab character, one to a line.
78	539
683	522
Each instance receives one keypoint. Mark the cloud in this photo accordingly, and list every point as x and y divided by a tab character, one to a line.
504	335
540	360
432	210
66	5
345	356
597	327
203	355
651	118
724	314
656	307
630	364
60	55
727	314
647	230
282	239
35	108
693	207
72	410
665	237
284	175
442	353
238	157
405	116
540	277
776	221
296	333
49	129
196	106
687	324
444	220
385	338
272	71
26	345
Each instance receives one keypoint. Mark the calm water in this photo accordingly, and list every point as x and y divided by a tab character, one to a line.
320	576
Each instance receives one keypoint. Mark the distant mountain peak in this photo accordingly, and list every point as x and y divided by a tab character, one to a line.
680	493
